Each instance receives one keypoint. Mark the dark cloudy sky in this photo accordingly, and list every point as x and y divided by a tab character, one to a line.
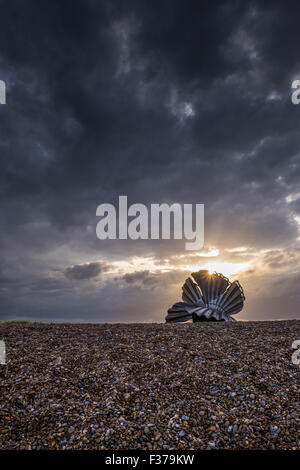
168	101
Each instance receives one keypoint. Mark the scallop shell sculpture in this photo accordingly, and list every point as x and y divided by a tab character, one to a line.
207	297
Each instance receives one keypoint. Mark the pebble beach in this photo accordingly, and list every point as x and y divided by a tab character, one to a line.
150	386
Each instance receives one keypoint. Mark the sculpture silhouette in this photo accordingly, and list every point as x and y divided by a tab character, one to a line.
207	297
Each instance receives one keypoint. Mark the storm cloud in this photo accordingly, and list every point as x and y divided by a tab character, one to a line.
183	102
80	272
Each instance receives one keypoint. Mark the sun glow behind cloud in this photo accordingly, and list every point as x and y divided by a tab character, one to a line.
224	267
228	268
182	262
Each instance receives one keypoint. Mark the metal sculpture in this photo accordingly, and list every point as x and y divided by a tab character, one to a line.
208	297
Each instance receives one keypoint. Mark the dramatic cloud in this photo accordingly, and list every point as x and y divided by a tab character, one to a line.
143	278
180	101
80	272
